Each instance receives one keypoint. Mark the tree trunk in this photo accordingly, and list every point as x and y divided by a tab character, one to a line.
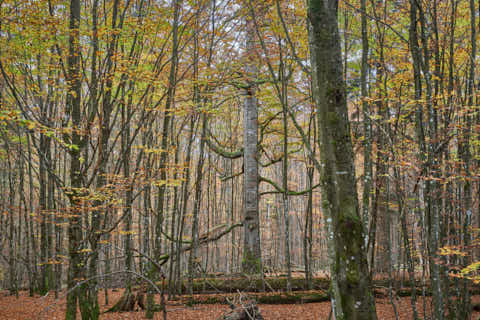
251	263
157	250
367	125
286	216
12	263
128	194
464	304
73	105
192	259
352	296
183	213
427	154
42	200
307	238
33	246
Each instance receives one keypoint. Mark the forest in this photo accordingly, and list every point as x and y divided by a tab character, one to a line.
239	159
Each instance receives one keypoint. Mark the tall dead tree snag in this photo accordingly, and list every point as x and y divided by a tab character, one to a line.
251	252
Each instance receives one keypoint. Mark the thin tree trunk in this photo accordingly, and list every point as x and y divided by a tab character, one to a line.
307	239
42	200
181	216
367	125
175	212
154	273
284	101
430	164
128	195
464	305
73	105
192	261
12	263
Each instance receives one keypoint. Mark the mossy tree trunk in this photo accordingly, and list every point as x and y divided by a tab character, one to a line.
352	296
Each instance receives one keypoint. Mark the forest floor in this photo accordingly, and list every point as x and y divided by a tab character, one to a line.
47	307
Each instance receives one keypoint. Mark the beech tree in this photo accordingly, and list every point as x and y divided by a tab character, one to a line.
185	138
73	106
352	296
251	251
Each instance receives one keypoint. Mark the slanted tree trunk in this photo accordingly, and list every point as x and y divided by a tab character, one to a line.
352	296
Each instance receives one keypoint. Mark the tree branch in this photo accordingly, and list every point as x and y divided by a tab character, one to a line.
218	150
280	190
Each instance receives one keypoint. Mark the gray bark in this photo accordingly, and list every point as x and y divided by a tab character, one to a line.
251	252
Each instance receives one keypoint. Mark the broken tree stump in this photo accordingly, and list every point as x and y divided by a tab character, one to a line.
128	301
244	311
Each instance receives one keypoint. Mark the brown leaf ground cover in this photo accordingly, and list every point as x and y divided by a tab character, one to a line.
30	308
